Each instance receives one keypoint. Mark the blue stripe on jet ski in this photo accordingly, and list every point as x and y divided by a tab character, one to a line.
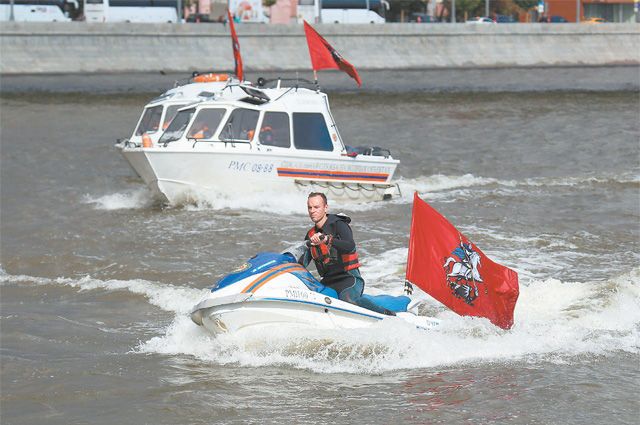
319	305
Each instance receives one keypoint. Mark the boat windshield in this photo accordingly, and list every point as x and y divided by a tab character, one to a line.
297	251
177	126
150	121
206	123
170	114
241	125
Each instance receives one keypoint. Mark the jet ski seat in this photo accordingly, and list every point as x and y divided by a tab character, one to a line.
313	284
396	304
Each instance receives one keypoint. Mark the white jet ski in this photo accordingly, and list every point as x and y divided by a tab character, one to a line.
273	289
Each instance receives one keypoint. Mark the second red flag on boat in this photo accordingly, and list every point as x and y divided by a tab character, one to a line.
450	268
324	56
236	48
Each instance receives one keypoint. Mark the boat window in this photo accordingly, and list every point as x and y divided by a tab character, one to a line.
206	123
275	130
177	126
310	132
150	121
170	114
241	125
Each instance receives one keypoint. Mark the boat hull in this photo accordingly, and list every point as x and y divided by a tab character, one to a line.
177	175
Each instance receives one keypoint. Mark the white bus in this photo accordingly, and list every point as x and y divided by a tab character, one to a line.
33	11
342	11
131	10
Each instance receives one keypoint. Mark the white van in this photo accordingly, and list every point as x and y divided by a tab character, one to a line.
342	11
33	11
131	10
351	16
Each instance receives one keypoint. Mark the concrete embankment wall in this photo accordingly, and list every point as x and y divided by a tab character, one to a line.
79	47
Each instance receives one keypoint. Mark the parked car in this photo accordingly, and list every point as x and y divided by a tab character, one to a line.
558	19
202	18
555	19
594	21
423	18
505	19
480	20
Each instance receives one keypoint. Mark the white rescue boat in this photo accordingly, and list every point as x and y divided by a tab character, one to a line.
233	138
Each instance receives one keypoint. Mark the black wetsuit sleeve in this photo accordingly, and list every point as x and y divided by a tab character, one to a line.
343	239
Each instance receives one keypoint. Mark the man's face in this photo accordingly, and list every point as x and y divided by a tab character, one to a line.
316	208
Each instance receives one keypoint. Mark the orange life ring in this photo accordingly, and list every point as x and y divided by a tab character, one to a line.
210	78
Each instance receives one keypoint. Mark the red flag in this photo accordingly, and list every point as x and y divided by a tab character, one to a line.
454	271
236	48
323	56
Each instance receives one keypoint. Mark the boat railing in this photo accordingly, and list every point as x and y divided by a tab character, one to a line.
225	141
275	82
352	187
367	150
127	143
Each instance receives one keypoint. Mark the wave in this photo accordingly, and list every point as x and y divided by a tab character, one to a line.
555	321
170	298
131	199
432	185
627	179
289	203
443	188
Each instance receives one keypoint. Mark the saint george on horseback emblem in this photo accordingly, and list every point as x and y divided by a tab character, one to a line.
463	276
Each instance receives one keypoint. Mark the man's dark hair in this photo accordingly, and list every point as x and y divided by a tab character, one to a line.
320	194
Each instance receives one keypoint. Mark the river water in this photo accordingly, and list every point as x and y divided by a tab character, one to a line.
97	278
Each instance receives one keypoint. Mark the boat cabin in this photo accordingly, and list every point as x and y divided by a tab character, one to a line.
267	119
159	112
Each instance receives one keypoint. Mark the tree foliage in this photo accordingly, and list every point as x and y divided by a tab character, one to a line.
470	8
526	4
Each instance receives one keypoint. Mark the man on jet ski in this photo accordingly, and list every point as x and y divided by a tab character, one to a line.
333	250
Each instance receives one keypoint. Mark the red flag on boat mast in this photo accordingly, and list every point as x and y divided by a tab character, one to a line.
323	56
236	48
447	266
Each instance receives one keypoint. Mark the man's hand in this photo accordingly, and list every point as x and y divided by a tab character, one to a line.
316	239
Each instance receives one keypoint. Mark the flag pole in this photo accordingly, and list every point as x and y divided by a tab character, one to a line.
315	78
408	288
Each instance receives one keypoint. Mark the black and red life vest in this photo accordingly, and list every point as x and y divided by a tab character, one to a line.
326	256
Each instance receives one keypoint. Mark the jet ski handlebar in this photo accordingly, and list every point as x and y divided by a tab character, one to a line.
298	250
308	243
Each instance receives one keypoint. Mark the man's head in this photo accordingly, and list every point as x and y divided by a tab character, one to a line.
317	206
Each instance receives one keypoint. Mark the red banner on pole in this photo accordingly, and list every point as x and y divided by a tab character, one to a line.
447	266
236	48
323	56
